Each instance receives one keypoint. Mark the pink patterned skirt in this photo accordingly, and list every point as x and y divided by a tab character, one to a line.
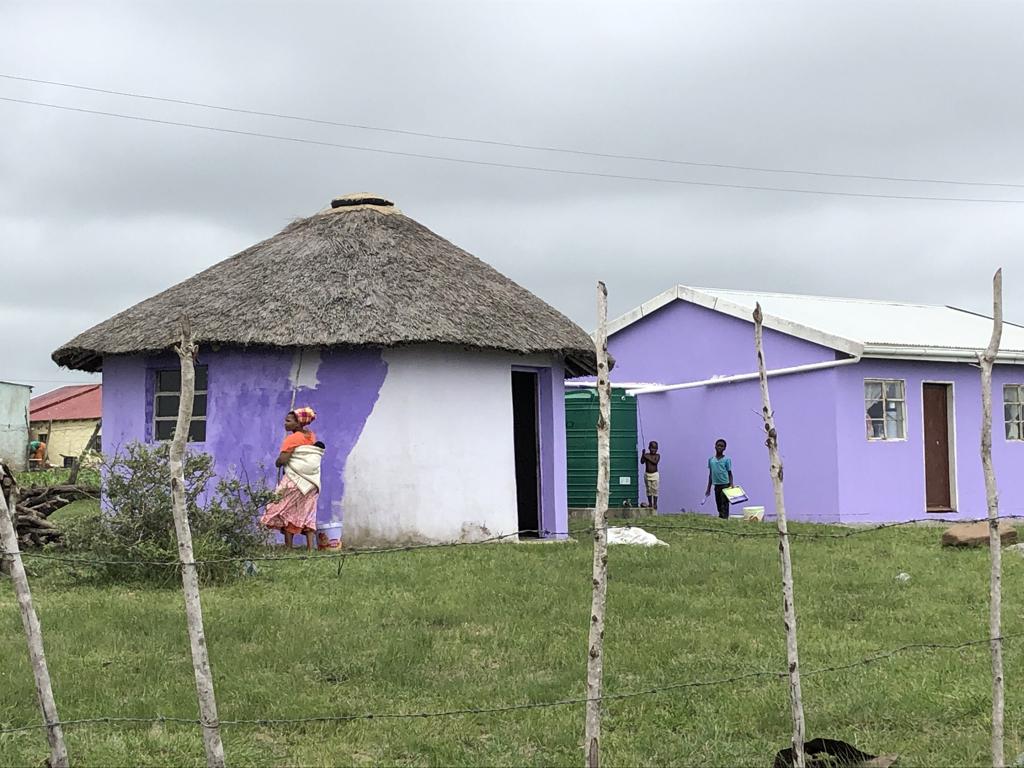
293	512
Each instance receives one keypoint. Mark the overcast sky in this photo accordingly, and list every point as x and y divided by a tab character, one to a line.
97	213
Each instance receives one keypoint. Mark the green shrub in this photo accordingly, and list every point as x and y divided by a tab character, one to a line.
137	524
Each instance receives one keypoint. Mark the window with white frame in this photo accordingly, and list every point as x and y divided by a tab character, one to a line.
167	395
1013	411
885	409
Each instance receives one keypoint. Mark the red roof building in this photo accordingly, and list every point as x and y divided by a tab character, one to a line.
72	403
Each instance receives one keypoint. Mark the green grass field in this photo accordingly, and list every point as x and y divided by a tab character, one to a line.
507	624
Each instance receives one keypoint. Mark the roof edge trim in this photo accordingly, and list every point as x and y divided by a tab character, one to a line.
938	354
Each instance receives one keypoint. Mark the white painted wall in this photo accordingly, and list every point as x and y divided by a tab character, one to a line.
14	400
435	461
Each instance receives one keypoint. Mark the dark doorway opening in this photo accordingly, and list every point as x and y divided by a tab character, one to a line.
938	459
526	438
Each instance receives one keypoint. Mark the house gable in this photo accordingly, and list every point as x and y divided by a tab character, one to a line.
683	341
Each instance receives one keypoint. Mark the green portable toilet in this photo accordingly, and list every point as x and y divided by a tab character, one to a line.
581	412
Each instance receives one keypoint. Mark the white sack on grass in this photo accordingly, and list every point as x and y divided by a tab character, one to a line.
636	536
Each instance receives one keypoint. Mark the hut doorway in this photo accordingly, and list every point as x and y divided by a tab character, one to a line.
526	439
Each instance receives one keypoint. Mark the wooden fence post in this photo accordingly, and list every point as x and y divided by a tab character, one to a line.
186	350
595	654
987	360
29	619
788	606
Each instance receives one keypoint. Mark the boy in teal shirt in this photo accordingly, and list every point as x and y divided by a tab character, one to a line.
720	476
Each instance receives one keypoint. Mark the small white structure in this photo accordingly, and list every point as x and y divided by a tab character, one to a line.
14	399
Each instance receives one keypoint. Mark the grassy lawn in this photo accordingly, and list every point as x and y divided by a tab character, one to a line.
504	624
56	476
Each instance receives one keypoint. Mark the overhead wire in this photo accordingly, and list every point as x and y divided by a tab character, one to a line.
509	144
512	166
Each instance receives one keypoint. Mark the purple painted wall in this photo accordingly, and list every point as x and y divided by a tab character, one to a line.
685	342
884	480
833	473
249	393
686	424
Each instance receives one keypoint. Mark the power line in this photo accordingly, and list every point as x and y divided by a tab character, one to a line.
515	166
510	144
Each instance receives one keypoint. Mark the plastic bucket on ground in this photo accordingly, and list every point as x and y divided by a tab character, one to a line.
755	514
329	535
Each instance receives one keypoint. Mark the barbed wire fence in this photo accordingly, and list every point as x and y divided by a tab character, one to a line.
681	529
54	725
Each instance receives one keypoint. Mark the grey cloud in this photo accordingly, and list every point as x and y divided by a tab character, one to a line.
96	212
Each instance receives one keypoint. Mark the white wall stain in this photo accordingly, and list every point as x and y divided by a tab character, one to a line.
305	367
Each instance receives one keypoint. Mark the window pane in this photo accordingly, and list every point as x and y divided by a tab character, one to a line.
893	428
872	390
197	432
199	406
876	429
200	378
1011	413
1011	394
168	381
894	390
166	405
1012	431
164	429
874	409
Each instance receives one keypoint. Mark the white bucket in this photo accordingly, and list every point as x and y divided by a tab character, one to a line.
755	514
333	533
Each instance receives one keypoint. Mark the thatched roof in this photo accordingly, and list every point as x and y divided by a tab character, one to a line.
357	274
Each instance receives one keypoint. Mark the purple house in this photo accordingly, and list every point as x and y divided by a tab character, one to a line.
437	381
878	404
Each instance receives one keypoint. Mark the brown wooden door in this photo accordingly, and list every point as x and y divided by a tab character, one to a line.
936	447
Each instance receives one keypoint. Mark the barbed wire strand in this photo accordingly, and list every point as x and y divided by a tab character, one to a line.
346	553
498	709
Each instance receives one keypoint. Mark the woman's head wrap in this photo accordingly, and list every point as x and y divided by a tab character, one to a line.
304	416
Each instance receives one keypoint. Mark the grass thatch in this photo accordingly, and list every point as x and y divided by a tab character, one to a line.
359	274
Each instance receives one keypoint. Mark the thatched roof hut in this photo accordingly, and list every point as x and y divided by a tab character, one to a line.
357	274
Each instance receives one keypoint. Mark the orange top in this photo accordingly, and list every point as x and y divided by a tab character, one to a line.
295	439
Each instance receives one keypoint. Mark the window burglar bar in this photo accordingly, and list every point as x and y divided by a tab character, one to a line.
167	395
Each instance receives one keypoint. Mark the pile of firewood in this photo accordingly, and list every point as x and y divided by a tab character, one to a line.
35	505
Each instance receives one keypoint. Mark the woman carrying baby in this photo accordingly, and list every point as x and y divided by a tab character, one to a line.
300	456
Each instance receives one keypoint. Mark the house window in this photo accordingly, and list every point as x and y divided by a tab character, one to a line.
885	409
1013	411
167	395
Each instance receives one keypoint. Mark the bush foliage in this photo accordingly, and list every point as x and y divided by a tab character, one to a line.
137	523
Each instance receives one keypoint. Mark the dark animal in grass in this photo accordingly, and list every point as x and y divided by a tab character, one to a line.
831	753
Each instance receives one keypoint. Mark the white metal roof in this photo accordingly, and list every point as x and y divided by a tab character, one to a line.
859	327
